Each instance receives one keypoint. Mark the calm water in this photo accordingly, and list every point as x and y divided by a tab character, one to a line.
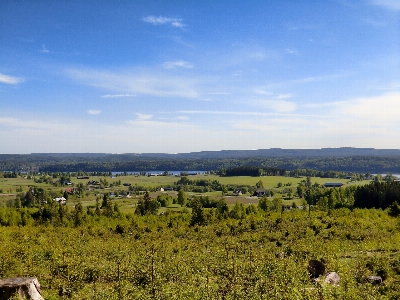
161	172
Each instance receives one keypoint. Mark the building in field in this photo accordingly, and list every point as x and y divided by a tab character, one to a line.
259	193
333	184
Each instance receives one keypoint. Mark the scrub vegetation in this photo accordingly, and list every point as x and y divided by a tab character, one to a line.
122	237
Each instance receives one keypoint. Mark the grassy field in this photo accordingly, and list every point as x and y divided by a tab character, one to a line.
10	187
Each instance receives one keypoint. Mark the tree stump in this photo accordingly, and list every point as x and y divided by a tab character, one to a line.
23	287
315	268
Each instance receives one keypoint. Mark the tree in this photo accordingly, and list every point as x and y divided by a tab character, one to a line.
147	206
222	208
78	214
300	191
238	211
224	190
182	197
198	217
276	203
394	209
260	185
97	211
265	204
105	200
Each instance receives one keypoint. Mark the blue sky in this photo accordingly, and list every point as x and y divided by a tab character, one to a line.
182	76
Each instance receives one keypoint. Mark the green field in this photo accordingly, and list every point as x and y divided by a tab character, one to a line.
10	186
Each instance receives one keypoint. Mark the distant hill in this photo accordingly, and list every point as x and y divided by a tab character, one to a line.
339	159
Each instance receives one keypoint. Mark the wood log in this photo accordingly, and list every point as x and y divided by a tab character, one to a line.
22	287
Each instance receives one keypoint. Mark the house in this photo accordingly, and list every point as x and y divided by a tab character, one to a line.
168	189
333	184
237	193
61	200
69	190
160	189
259	193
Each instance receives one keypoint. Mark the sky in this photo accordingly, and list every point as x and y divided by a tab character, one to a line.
183	76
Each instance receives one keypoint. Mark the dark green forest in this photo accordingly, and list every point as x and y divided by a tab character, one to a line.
371	161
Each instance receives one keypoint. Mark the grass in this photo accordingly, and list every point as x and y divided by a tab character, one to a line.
9	187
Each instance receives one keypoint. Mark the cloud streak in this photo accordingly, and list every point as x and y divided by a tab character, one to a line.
389	4
118	96
136	82
177	64
174	22
10	79
94	111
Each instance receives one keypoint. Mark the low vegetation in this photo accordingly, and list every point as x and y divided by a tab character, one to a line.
127	239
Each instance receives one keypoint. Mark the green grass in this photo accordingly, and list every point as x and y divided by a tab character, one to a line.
9	187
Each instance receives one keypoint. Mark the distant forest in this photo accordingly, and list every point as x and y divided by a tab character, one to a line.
330	159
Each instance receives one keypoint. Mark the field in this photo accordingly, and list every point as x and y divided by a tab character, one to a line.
11	186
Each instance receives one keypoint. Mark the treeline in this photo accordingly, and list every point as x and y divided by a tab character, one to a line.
135	163
253	171
377	195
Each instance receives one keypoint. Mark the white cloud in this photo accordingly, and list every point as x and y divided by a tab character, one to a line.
245	113
117	95
174	22
291	51
44	49
378	110
219	93
143	82
276	102
94	111
143	116
277	105
182	118
9	79
178	63
389	4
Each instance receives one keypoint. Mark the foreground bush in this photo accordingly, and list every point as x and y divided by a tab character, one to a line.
162	257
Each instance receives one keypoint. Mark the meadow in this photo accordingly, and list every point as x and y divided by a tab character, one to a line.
10	187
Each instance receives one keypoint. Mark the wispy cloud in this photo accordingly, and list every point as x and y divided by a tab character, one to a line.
389	4
10	79
182	118
44	49
219	93
177	64
275	102
142	117
277	105
18	123
174	22
136	82
94	111
379	109
245	113
117	95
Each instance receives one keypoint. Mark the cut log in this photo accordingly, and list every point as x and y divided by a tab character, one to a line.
315	268
23	287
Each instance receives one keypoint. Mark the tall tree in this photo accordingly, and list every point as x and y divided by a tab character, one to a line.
182	197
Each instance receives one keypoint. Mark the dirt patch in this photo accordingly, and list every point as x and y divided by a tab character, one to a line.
244	200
